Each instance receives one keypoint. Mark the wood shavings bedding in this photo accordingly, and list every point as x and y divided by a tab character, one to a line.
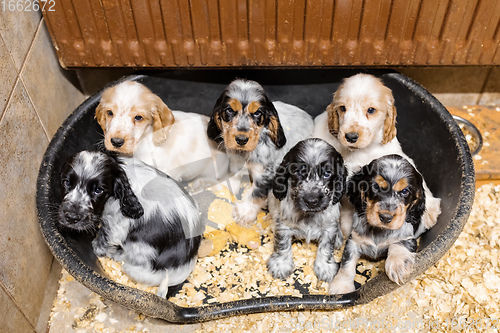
239	271
461	292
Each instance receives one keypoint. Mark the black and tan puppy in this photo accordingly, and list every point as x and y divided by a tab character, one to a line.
256	133
389	200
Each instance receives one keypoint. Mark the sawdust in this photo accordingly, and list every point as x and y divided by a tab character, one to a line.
461	292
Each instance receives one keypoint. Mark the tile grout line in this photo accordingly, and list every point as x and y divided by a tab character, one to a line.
18	74
24	85
13	300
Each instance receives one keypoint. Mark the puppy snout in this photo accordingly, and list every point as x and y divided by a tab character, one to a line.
241	140
117	142
352	137
72	217
312	200
385	217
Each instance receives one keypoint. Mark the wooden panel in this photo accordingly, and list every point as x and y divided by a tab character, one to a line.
214	33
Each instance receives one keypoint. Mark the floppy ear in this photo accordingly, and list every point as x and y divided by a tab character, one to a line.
390	119
129	204
333	119
280	180
417	208
214	129
162	119
100	115
357	187
339	182
276	131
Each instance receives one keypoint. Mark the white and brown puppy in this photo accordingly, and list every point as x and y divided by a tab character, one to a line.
256	132
389	201
307	189
142	216
137	122
361	124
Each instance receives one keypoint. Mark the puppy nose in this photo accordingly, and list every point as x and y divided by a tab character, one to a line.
385	217
241	140
117	142
312	200
72	217
352	137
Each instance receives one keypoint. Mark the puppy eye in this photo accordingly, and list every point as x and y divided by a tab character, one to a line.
98	190
342	108
110	113
375	187
228	114
371	110
404	192
66	183
138	118
327	174
257	114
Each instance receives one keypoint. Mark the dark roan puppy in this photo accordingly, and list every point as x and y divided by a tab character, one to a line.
389	201
142	216
307	188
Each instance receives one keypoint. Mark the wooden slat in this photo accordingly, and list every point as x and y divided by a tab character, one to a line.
210	33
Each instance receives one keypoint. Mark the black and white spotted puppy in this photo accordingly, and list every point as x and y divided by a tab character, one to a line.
143	217
389	200
307	188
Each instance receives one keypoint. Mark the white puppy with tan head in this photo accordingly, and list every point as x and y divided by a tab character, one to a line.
137	122
360	123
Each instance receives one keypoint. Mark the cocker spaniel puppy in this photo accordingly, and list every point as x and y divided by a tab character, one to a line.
142	216
307	189
137	122
256	132
389	201
361	124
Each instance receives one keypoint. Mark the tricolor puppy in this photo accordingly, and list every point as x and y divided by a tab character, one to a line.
307	189
144	218
258	132
389	201
137	122
361	124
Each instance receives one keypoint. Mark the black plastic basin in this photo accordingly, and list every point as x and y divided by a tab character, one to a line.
426	131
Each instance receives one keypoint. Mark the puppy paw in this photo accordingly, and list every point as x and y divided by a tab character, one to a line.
280	267
245	213
100	246
399	267
324	270
341	285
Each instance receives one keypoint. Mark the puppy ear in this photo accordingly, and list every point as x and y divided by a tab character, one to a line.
333	119
339	182
390	130
417	208
280	180
129	204
358	185
100	115
214	129
162	119
276	131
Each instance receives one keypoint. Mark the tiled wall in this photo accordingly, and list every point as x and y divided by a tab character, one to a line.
36	95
